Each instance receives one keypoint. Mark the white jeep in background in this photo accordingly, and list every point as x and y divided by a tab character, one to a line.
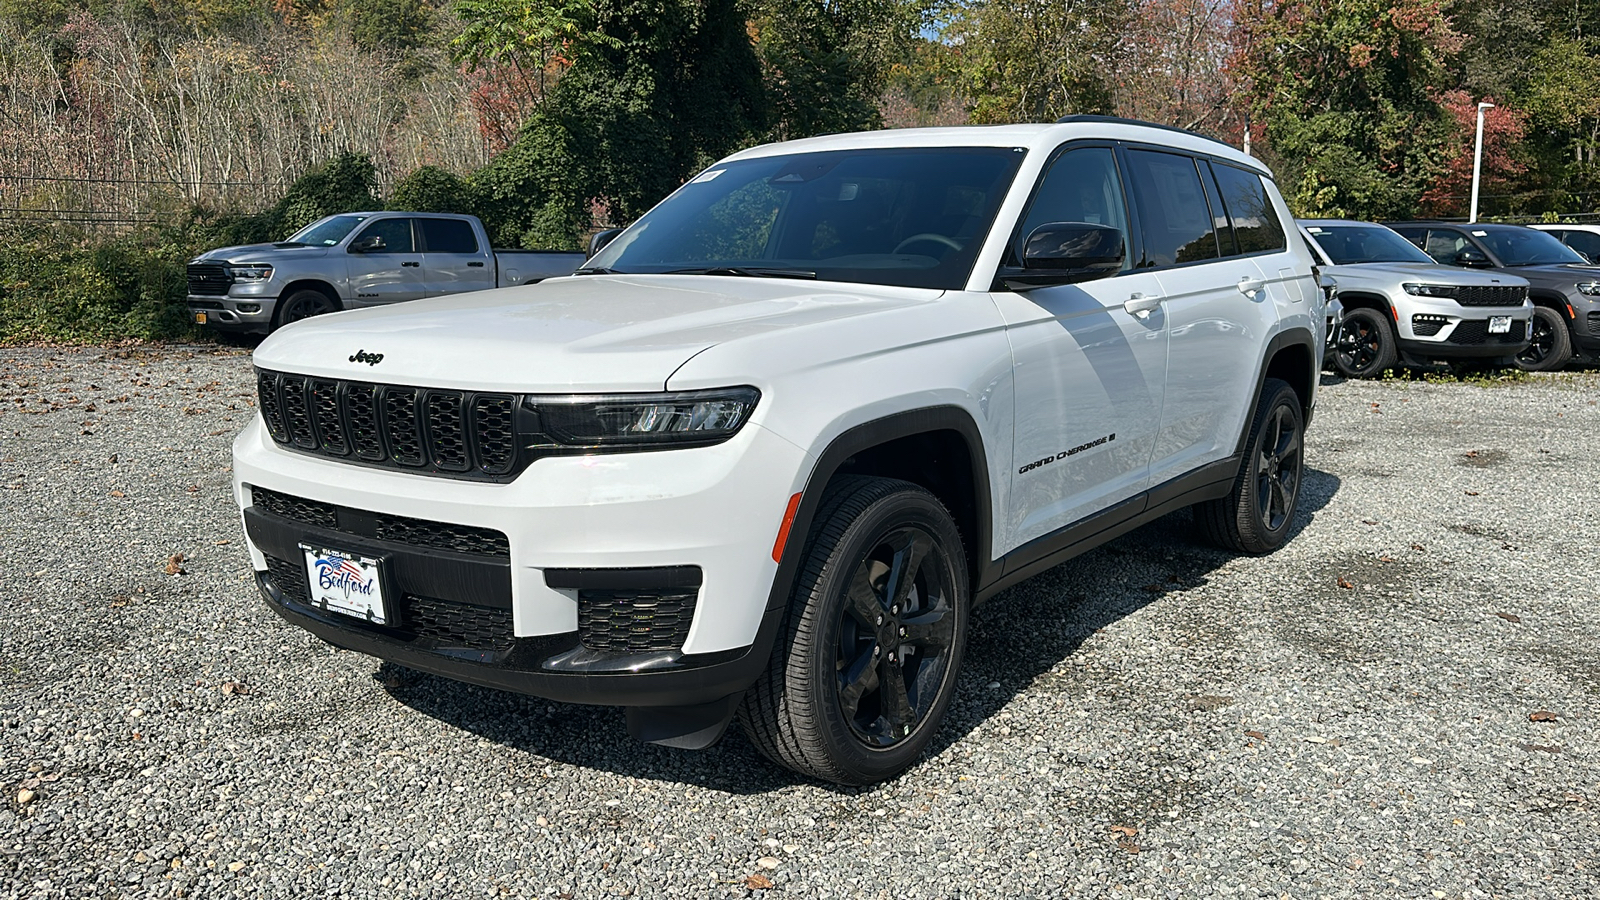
763	454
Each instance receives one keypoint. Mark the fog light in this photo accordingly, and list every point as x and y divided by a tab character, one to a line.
249	308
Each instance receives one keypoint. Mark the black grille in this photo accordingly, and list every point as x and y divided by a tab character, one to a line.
298	509
442	622
1490	295
1475	332
209	280
1427	326
635	621
383	526
436	432
1594	323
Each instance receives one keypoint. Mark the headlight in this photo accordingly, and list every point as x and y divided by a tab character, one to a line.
250	272
1430	290
639	421
1591	288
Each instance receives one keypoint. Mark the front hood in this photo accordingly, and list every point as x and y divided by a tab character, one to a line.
587	333
265	253
1389	272
1563	276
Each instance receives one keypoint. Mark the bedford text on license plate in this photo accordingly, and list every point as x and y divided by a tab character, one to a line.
347	583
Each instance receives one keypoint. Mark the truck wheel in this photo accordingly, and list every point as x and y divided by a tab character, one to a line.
866	665
1255	516
1366	344
303	304
1550	346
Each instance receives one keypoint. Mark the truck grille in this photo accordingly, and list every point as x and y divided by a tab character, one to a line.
1491	295
209	280
459	434
383	526
1475	332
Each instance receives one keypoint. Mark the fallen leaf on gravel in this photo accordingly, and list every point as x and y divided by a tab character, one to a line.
1541	748
175	565
1255	735
1345	583
1313	739
1418	547
1125	830
1543	715
118	494
1471	454
1369	521
757	882
113	458
767	862
234	687
1509	617
1210	702
1472	493
221	542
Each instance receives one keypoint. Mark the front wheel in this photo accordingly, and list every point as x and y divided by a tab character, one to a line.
866	665
1365	345
1256	515
303	304
1549	346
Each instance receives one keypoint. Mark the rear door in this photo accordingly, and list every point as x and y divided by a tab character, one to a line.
1090	362
390	274
452	260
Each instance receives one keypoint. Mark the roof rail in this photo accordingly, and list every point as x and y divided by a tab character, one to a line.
1086	118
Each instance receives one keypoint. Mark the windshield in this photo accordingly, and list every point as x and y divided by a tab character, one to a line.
326	232
1527	247
908	217
1354	244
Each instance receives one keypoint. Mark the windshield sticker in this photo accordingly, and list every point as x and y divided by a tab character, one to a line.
1480	234
708	175
1314	230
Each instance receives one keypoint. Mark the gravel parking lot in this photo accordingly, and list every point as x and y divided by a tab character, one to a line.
1402	702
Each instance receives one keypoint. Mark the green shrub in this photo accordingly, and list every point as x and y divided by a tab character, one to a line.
432	189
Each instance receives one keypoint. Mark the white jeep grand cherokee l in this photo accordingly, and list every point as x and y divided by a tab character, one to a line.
763	455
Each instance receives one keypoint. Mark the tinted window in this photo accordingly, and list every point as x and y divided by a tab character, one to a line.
1255	223
1526	247
911	217
1173	217
396	234
1351	244
1585	242
1219	213
1443	245
1081	186
448	236
1417	236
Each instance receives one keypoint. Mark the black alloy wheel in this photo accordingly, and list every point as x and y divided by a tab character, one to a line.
303	304
867	661
895	636
1366	344
1256	515
1549	344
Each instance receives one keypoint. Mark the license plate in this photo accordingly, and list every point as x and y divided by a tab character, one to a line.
199	318
1500	325
347	583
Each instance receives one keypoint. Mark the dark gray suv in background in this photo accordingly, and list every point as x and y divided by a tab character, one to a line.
1564	288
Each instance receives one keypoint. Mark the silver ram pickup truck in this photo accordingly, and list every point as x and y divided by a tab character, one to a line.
354	260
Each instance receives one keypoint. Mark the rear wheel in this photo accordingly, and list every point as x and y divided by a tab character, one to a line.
1256	515
303	304
1550	346
867	663
1366	344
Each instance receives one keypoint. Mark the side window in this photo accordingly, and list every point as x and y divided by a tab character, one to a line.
1416	236
1174	219
1585	242
1219	213
1444	245
1255	223
448	236
396	234
1081	186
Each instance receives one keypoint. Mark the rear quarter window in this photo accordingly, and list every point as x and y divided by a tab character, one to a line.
1255	222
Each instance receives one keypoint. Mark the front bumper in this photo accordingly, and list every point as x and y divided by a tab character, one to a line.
1432	331
714	509
242	314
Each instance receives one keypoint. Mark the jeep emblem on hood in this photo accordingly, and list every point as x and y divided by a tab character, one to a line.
370	359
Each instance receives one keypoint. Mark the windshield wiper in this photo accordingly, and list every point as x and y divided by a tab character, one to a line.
596	270
747	272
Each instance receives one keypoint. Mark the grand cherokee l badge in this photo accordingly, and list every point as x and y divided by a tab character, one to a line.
370	359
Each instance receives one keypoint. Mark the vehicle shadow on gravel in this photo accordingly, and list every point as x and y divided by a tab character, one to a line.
1018	636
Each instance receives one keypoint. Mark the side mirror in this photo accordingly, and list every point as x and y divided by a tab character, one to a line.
600	239
1067	253
1472	259
370	244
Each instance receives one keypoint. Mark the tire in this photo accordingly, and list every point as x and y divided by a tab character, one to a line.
1255	516
302	304
1551	345
826	705
1366	344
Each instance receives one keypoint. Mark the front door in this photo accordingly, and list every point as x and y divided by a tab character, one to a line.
1090	364
389	273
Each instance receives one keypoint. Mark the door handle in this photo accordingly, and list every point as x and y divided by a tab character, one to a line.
1140	306
411	265
475	265
1250	286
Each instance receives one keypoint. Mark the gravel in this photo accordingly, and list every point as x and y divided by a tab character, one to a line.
1354	716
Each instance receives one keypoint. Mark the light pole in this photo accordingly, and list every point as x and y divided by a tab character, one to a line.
1477	161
